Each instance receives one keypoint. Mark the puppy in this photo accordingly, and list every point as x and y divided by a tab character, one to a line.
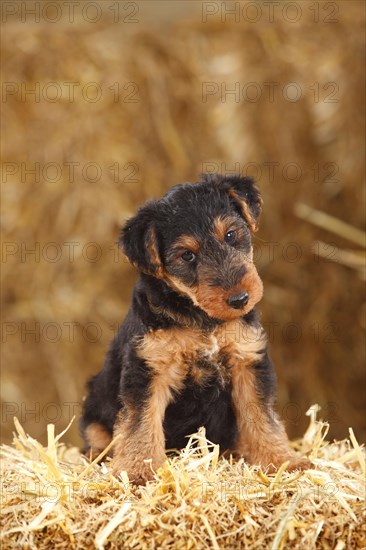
191	351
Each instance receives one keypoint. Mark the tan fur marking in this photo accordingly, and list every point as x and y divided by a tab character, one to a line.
261	441
141	451
177	285
214	300
222	225
241	343
168	350
152	249
136	444
143	440
188	242
220	228
98	438
245	209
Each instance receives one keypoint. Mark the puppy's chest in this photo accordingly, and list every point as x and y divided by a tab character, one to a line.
178	354
208	365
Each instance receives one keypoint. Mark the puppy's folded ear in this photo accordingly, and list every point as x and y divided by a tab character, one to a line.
139	242
244	193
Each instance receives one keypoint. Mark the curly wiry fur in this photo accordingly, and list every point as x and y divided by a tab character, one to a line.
191	350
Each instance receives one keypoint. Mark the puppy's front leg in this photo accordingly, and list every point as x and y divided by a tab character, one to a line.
140	449
146	391
262	438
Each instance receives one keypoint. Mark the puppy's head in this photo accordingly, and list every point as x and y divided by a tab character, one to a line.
197	238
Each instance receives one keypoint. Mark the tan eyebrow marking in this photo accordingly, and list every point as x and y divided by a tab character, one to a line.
222	225
189	242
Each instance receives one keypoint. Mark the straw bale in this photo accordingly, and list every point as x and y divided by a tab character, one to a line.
52	497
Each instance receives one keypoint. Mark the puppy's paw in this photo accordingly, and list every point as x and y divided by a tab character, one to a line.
295	462
138	474
299	463
91	454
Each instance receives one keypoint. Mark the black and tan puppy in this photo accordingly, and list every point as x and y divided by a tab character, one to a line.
191	351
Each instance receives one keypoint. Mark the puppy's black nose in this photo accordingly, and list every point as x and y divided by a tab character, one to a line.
238	300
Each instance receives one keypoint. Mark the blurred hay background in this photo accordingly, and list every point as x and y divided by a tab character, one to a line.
161	129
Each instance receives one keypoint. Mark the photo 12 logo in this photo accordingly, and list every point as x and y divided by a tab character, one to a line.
271	92
70	91
69	172
29	11
270	12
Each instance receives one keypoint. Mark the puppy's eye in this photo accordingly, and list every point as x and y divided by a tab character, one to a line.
188	256
230	237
